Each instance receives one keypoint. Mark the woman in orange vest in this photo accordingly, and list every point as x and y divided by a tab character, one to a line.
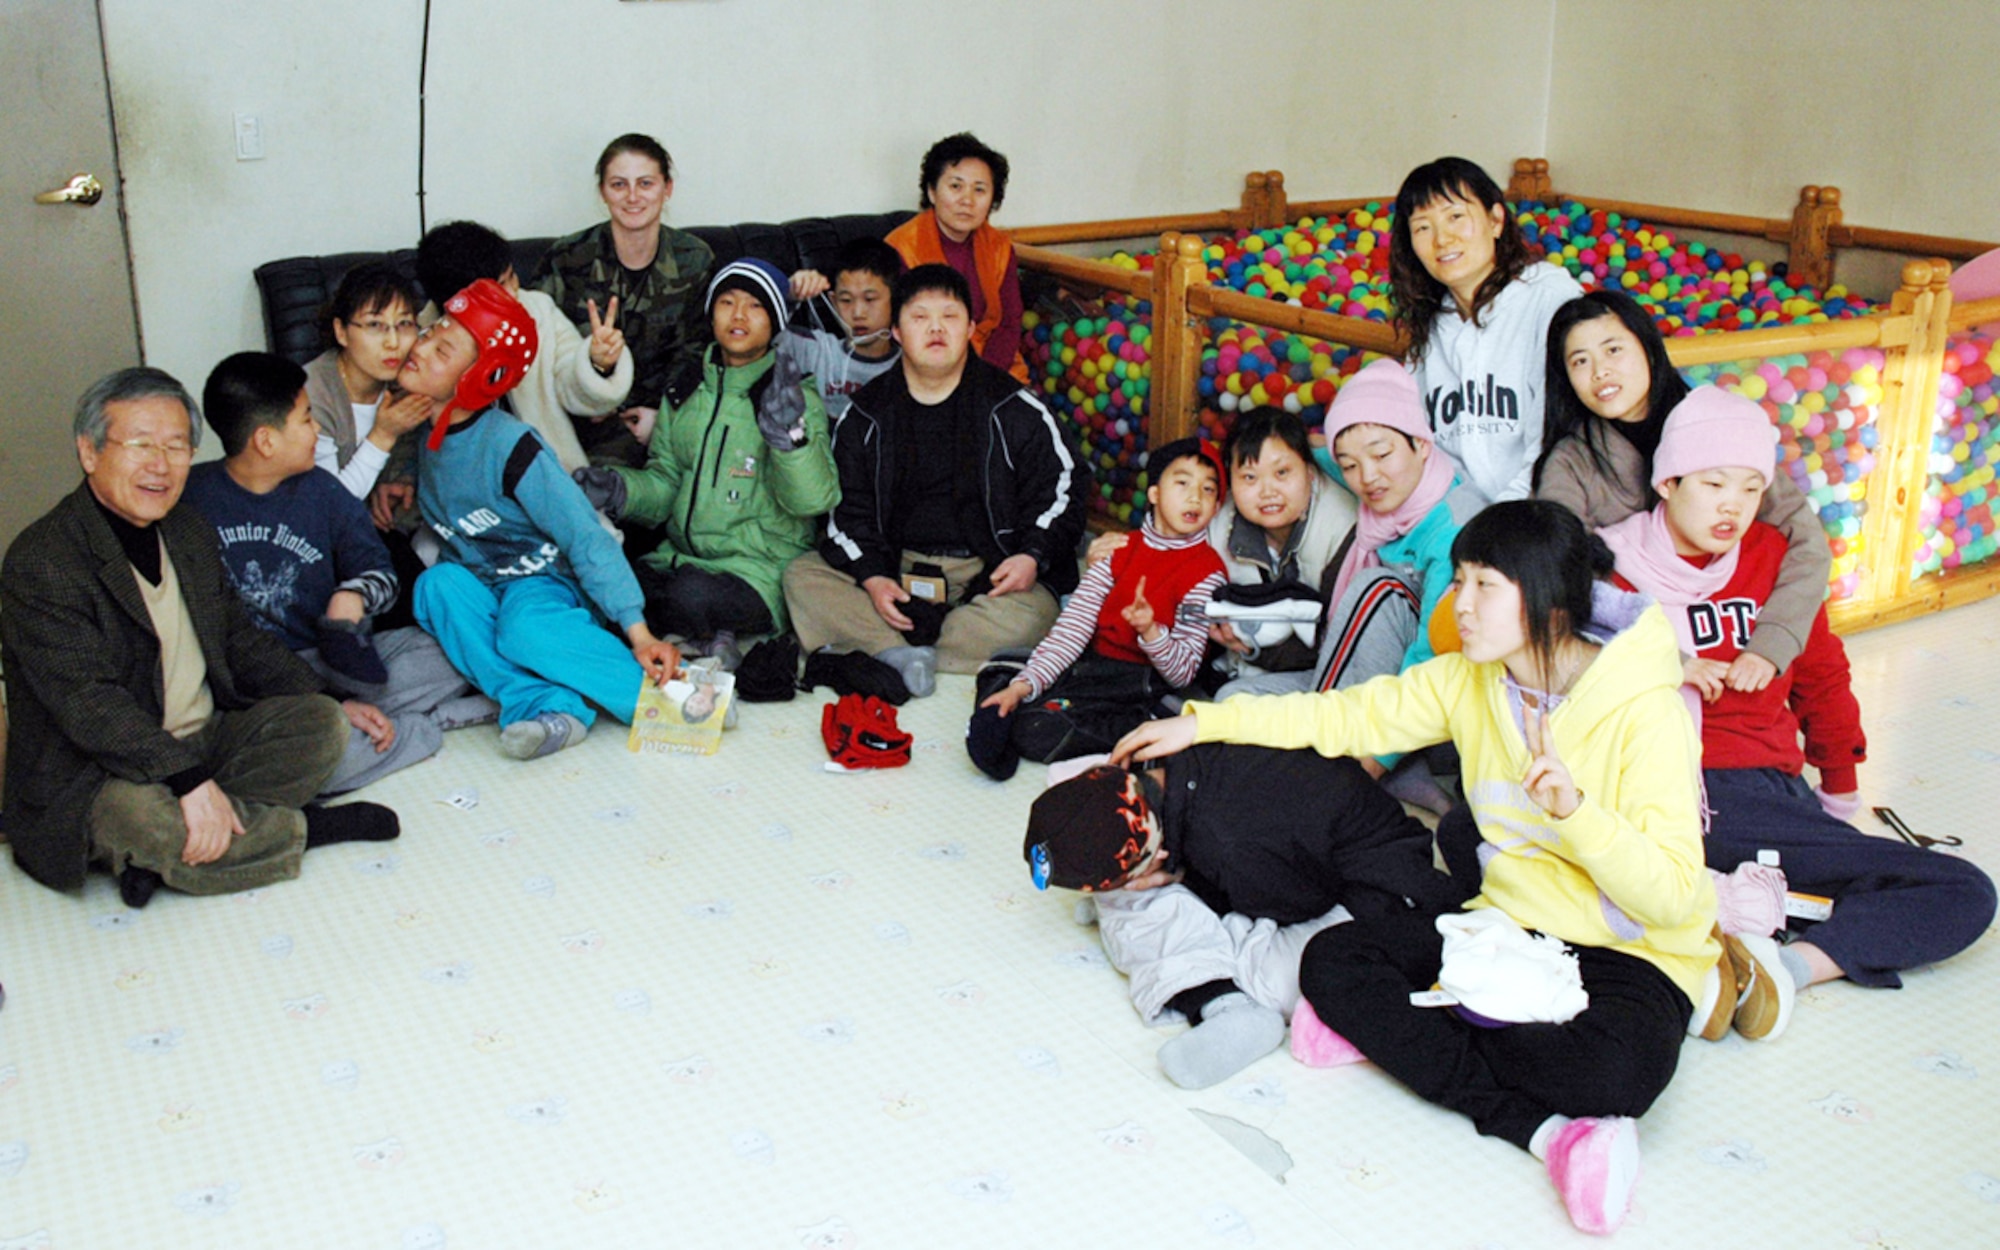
962	182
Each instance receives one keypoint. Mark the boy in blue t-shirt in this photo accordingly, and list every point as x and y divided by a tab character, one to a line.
308	564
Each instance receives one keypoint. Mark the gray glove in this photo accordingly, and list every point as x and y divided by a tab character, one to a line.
781	414
604	488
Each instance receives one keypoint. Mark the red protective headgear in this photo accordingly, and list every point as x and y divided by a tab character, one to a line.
861	732
504	335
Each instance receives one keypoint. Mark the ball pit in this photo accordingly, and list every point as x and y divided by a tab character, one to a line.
1824	405
1095	365
1957	511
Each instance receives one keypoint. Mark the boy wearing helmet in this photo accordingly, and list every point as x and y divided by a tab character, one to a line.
529	578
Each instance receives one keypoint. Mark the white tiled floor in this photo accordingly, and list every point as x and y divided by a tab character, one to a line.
738	1001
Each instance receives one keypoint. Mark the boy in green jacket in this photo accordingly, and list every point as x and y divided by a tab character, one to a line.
739	468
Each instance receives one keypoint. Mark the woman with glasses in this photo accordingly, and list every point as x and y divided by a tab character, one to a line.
373	319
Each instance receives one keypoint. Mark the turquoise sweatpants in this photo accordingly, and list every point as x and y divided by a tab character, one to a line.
535	646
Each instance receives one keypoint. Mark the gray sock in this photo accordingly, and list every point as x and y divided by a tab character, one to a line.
723	650
1795	964
1411	782
543	735
1233	1034
916	665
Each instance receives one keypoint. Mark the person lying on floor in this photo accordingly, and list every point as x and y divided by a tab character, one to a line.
529	578
1131	635
157	732
1211	872
1581	769
1704	555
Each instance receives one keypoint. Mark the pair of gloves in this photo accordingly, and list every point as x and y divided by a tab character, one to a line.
781	419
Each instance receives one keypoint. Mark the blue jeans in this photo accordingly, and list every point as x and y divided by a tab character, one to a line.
535	646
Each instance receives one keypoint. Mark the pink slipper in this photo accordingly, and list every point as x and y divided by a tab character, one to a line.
1595	1166
1315	1045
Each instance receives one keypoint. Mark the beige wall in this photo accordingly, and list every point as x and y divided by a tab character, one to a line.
777	108
771	108
1892	101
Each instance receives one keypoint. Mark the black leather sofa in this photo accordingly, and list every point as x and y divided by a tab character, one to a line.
294	292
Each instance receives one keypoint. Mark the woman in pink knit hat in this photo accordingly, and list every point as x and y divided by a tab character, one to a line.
1703	555
1394	565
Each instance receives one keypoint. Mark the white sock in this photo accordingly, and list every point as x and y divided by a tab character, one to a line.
1538	1145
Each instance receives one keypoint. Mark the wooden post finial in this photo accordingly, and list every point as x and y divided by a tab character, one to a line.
1276	210
1809	257
1250	213
1176	338
1530	181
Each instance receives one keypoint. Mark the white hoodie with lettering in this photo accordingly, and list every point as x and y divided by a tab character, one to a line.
1482	385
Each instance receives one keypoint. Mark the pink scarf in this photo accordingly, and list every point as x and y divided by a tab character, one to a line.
1372	529
1647	559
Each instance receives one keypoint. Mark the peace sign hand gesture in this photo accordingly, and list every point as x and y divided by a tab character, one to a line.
1547	781
607	341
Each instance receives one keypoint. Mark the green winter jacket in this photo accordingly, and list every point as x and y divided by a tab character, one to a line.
729	502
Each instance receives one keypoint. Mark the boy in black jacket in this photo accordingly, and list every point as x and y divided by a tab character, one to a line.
1211	873
961	505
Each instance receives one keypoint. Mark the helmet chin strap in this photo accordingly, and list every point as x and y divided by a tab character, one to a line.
440	425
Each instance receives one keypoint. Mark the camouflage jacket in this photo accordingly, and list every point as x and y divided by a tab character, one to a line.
660	313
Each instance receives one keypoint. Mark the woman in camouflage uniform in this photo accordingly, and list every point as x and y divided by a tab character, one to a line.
657	274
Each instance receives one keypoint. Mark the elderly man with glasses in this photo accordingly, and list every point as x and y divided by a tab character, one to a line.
157	732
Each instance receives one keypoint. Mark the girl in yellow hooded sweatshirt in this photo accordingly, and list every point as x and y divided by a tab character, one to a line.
1580	765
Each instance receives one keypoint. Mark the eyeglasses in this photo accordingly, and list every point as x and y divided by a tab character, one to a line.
177	452
380	329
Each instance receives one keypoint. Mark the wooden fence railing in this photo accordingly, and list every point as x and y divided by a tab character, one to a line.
1911	331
